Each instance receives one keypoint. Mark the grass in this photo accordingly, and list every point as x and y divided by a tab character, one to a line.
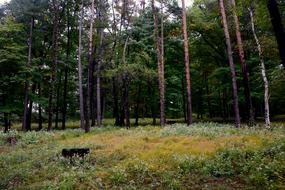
203	156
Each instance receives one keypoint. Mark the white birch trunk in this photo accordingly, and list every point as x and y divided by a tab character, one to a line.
263	73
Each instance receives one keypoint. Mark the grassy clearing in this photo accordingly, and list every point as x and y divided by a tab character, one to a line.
205	155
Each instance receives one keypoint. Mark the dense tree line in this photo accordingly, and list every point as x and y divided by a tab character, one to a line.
95	59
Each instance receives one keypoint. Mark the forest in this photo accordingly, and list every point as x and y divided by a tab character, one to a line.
162	94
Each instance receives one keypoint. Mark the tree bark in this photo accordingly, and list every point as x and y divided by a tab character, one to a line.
54	62
263	72
244	69
27	85
126	102
57	101
98	77
103	103
126	84
183	98
162	103
68	48
160	63
115	102
231	63
40	122
89	99
278	28
80	69
64	109
29	117
187	67
138	105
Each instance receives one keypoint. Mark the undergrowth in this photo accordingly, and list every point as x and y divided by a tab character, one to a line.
203	156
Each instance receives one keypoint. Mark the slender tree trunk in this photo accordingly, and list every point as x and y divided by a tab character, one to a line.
40	109
89	99
277	27
92	99
9	121
162	103
57	101
54	62
160	61
187	67
263	72
103	103
138	105
126	102
29	117
6	123
64	109
80	69
126	84
26	98
98	77
116	103
183	98
244	69
231	63
114	78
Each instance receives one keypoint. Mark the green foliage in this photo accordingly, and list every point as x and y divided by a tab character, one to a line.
146	158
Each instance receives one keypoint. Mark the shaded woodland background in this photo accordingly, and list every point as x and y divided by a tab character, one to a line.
47	77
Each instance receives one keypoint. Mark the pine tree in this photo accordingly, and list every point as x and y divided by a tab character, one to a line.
231	63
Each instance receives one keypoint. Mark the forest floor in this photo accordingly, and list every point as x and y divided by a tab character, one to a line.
203	156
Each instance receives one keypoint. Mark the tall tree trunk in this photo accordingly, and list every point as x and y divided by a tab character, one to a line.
27	85
138	105
187	67
64	108
103	103
98	76
54	62
115	102
29	117
231	63
162	102
113	56
126	102
40	122
68	48
126	84
89	99
244	69
160	62
263	72
81	97
57	101
183	98
277	27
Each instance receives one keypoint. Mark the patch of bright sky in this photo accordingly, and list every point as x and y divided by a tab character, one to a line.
3	1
